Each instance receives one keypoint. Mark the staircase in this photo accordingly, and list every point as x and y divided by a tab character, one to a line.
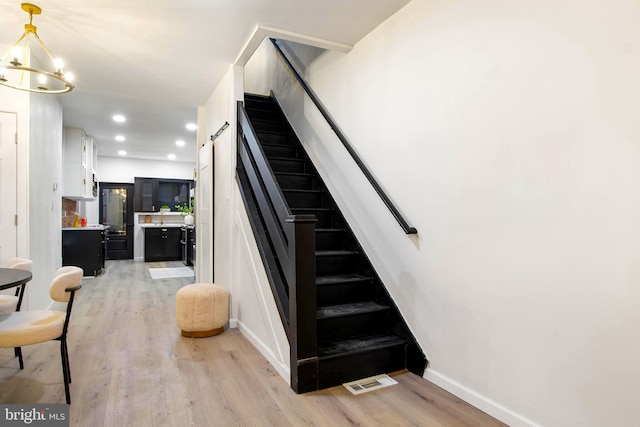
360	332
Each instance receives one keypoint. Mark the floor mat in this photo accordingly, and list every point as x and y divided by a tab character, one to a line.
170	273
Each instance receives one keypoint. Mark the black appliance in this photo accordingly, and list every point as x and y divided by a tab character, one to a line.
188	234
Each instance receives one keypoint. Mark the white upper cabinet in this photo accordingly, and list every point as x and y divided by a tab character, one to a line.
78	168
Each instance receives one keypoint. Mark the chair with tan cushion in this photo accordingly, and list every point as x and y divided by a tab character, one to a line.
64	269
202	309
9	303
20	263
29	327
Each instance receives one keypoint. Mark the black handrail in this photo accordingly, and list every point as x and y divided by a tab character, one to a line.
394	211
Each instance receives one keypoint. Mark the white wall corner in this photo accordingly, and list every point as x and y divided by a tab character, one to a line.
263	31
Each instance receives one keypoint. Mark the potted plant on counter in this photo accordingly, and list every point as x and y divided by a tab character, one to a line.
187	211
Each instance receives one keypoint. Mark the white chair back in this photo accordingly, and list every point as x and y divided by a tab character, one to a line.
20	263
70	278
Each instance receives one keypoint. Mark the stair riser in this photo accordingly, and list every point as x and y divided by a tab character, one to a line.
273	138
280	151
262	114
337	328
329	240
282	165
343	293
303	200
260	104
324	218
338	370
293	182
269	126
338	264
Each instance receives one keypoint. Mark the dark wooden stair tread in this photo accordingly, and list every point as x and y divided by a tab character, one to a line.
342	278
336	253
343	310
261	99
263	108
300	174
274	144
312	210
261	121
302	191
358	345
288	159
261	133
270	132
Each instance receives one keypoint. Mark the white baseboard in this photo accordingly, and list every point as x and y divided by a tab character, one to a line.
233	323
481	402
282	369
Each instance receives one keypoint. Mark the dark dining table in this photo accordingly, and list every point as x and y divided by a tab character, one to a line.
13	278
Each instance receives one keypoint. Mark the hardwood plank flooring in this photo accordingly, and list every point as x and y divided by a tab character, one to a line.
131	367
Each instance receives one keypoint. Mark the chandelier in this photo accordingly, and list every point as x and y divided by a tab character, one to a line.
16	70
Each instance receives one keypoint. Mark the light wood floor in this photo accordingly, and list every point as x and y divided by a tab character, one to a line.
131	367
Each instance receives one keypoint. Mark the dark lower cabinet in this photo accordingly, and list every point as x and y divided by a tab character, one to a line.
83	248
162	244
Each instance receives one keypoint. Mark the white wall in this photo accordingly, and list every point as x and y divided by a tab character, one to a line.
506	133
39	157
15	101
219	109
237	262
45	200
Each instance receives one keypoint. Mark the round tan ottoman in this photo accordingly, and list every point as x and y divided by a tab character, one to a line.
202	309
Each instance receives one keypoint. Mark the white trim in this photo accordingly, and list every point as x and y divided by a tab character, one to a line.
254	269
262	31
282	369
479	401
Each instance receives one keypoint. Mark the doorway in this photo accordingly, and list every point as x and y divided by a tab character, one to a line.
116	212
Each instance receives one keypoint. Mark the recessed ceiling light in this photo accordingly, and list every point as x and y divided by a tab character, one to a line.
120	138
180	143
171	156
122	153
119	118
192	126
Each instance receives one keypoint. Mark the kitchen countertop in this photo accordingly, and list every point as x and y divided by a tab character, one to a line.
150	225
88	227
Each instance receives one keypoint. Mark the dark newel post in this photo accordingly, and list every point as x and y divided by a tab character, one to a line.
302	305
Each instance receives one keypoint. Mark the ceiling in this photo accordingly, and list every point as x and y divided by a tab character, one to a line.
155	61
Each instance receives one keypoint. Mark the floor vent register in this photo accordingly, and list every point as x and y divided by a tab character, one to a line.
369	384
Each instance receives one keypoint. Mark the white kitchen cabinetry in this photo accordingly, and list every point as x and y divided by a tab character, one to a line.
78	170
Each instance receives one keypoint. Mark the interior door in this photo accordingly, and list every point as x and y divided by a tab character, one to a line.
116	211
8	182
